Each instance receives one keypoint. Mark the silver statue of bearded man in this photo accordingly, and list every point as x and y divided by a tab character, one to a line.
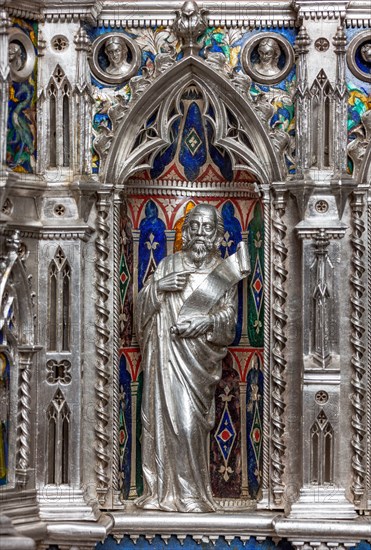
186	316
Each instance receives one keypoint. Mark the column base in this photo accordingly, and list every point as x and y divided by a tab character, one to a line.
57	503
323	503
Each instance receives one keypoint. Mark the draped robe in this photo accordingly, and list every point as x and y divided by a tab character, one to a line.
180	378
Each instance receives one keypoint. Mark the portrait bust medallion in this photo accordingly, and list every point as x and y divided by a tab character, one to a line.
366	52
269	53
117	53
115	58
359	56
16	55
21	55
267	58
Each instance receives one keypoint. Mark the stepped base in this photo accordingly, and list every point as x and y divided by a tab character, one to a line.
322	503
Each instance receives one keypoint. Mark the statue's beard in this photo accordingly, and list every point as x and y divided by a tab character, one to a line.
200	248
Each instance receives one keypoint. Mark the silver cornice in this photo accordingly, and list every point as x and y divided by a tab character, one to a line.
30	9
188	188
145	12
316	9
50	233
358	13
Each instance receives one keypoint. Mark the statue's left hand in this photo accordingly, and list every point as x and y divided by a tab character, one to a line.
191	328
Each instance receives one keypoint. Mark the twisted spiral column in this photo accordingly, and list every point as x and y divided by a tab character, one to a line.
116	345
102	314
278	348
267	332
24	415
357	360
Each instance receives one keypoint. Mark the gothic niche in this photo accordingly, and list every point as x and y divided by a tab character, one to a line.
322	106
59	303
58	428
321	451
188	171
59	98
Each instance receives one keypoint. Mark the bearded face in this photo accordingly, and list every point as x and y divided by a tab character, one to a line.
200	236
200	248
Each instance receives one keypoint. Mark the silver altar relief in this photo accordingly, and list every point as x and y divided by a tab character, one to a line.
94	100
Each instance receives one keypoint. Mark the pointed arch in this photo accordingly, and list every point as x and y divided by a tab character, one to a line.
59	92
59	302
138	139
58	417
322	108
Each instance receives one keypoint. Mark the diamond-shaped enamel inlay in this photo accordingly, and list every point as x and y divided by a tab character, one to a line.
225	434
257	285
255	433
193	141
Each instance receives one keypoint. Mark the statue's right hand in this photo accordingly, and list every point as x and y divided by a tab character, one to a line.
174	282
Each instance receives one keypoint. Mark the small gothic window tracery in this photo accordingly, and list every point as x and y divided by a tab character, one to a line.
322	450
322	119
59	302
59	93
58	421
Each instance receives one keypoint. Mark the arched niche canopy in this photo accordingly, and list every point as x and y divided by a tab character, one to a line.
147	128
